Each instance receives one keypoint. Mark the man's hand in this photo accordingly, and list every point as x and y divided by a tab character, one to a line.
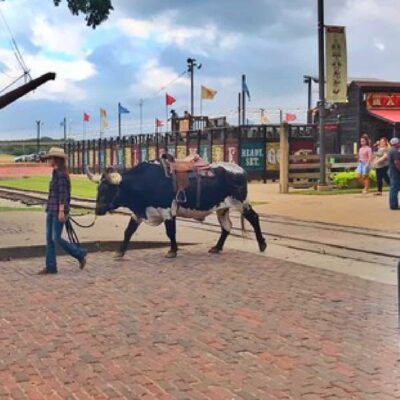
61	216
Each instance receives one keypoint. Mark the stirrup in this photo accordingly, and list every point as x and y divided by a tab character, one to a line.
181	197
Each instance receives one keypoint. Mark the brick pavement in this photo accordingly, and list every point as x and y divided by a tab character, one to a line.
235	326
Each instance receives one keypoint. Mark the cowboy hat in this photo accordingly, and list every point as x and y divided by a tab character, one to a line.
56	152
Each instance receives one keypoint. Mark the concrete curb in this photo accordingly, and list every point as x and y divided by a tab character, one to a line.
14	253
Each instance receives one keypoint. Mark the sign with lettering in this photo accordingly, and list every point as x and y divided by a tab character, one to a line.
152	152
108	157
205	152
102	158
135	155
172	150
383	100
336	64
217	153
231	153
252	156
120	157
180	152
143	154
273	156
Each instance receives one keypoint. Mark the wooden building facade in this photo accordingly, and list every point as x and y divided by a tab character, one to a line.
373	108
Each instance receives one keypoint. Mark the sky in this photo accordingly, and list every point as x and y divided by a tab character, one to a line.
144	45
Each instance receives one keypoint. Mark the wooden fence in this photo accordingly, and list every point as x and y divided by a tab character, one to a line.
302	169
256	148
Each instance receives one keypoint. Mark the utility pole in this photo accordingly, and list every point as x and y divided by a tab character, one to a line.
65	130
192	63
141	115
243	100
38	134
321	63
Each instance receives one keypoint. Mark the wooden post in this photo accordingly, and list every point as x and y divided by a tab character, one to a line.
284	159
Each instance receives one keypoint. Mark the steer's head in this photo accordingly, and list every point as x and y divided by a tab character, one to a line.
107	190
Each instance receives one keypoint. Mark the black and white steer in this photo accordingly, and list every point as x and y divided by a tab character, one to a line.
150	195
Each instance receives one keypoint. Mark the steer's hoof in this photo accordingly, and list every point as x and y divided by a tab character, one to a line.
118	255
263	246
214	250
171	254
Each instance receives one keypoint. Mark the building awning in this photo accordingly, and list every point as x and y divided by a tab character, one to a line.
392	116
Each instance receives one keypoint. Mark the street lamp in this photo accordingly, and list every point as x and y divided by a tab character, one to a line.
39	125
192	64
321	103
308	80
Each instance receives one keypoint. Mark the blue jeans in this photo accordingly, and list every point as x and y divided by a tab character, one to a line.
394	191
54	230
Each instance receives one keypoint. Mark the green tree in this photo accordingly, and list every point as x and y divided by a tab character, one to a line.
95	11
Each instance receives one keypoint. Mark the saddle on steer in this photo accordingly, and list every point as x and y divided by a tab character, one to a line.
181	171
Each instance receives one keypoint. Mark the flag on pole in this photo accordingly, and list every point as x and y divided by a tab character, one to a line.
159	123
290	117
246	90
207	93
122	109
86	117
169	100
103	118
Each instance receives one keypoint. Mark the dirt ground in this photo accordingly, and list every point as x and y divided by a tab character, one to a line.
356	210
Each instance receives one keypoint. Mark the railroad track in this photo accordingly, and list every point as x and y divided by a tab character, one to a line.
336	240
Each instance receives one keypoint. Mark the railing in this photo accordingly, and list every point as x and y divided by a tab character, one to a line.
256	148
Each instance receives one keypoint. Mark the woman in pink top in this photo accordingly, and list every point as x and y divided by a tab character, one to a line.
364	162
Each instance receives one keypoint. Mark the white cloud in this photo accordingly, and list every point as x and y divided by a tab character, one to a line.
152	77
164	30
60	38
64	88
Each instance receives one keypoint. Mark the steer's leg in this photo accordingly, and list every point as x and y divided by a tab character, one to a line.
226	226
129	231
254	221
170	227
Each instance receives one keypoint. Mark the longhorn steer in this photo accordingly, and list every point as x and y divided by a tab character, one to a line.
150	195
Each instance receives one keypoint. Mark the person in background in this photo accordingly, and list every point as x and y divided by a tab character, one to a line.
394	173
364	162
58	206
382	164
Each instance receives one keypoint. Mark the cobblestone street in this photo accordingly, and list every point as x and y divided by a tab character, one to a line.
234	326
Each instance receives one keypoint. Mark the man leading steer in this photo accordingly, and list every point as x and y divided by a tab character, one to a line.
154	192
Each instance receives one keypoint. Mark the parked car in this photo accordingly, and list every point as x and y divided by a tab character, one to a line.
19	159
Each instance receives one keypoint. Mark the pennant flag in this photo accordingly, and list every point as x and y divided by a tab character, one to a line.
169	100
246	90
159	123
122	109
86	117
207	93
103	118
290	117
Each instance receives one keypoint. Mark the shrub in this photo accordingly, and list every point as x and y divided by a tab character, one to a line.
348	180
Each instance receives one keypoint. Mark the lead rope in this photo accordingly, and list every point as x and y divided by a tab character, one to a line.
72	235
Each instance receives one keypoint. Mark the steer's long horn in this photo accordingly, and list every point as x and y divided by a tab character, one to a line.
92	177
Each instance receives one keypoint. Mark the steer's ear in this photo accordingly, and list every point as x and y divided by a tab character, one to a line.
114	178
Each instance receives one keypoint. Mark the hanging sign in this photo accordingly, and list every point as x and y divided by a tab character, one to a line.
336	64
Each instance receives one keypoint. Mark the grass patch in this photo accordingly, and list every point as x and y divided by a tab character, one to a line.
332	192
12	209
81	187
6	158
